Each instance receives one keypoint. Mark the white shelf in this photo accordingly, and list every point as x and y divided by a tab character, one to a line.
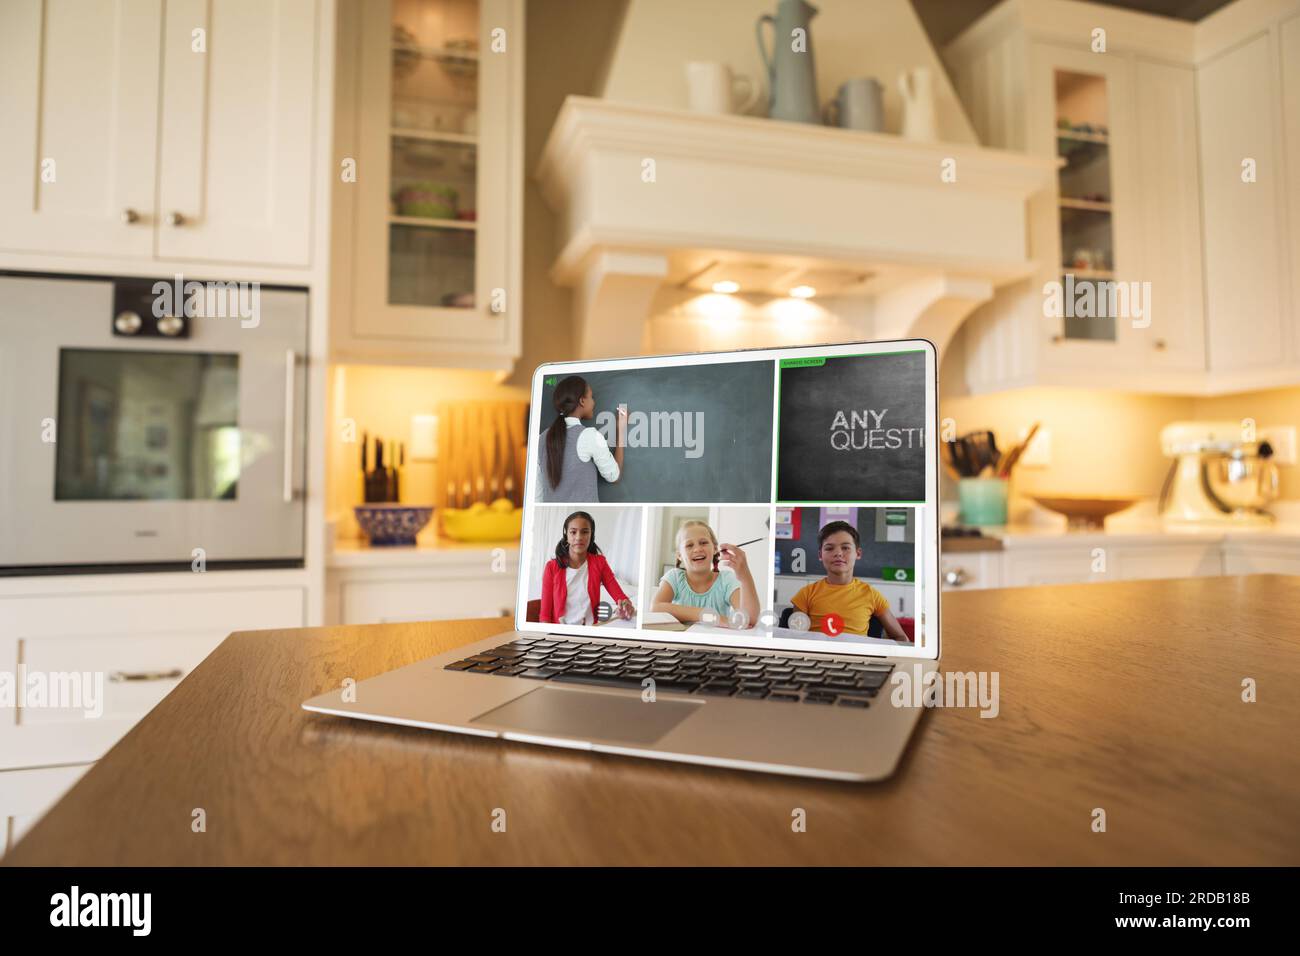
1088	273
422	222
436	52
430	550
1101	139
1086	205
435	136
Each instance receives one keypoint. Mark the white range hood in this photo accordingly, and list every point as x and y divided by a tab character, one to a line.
648	197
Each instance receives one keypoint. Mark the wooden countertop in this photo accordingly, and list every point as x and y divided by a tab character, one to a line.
1123	696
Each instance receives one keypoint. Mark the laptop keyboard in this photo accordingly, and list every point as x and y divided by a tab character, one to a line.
709	673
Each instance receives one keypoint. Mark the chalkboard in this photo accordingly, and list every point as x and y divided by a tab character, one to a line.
716	421
852	428
875	554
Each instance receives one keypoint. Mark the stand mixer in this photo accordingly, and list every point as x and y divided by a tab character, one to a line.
1217	477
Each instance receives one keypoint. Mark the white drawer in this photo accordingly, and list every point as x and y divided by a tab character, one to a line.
382	602
1148	562
25	796
133	671
128	633
1056	566
144	612
1260	558
970	570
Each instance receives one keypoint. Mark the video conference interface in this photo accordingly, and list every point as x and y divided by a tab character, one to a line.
732	502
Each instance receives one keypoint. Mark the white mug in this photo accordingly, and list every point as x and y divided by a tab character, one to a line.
712	88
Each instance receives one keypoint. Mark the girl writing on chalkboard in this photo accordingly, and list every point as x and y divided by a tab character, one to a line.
571	583
571	456
702	589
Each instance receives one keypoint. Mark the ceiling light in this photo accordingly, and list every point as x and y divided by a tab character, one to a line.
803	292
726	287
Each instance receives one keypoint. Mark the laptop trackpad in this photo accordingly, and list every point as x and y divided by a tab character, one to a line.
552	712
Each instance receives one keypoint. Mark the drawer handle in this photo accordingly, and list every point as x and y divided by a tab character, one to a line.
120	677
954	578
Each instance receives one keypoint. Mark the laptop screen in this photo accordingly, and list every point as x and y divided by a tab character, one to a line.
776	498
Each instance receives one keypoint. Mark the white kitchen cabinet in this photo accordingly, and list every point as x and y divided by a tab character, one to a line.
159	129
970	570
135	645
1187	104
139	669
428	237
1035	566
1244	251
1143	562
1093	558
1290	41
424	599
1126	210
25	796
1170	218
237	131
79	114
1078	86
386	586
1254	556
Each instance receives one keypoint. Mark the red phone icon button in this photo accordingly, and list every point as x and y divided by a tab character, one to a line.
833	625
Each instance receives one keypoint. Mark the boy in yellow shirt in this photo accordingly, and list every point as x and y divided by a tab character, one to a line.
856	602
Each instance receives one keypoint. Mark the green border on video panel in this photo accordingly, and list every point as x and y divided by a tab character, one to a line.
814	361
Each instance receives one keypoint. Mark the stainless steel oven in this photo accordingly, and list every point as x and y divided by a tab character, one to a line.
150	423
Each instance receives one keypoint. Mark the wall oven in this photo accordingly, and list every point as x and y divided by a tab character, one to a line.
150	424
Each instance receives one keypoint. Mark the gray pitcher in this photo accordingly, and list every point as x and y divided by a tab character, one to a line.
791	77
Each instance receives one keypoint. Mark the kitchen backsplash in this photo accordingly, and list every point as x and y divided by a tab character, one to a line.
382	402
1107	443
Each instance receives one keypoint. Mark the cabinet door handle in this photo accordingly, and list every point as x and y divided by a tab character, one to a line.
954	578
175	219
121	677
290	365
129	216
1160	345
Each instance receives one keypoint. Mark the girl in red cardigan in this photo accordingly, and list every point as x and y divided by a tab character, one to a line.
571	583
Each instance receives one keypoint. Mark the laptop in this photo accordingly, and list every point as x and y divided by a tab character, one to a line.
727	558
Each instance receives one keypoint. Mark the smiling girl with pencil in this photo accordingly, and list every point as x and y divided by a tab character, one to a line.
700	590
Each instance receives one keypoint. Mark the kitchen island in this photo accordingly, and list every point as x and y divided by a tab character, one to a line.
1124	697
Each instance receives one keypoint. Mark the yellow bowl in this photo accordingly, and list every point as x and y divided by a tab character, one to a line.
463	524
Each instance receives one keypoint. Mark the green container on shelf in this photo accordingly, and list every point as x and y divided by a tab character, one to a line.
427	201
983	501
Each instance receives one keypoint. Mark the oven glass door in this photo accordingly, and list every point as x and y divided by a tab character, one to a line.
147	426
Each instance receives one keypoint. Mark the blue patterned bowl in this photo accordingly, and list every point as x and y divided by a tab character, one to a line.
392	524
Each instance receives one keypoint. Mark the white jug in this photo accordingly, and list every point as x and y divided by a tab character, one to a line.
917	89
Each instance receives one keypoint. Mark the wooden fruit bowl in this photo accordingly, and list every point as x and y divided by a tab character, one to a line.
1085	514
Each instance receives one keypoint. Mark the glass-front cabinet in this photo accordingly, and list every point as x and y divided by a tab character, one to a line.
1085	200
435	119
1085	243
